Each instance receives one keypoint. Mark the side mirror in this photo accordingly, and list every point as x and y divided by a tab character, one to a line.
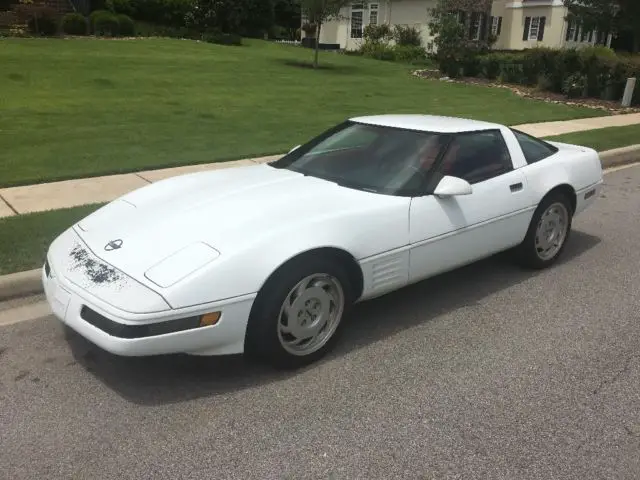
452	186
294	148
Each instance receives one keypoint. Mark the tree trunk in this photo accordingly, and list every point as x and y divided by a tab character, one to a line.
317	46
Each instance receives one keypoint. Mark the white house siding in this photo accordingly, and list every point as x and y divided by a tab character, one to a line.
513	14
414	13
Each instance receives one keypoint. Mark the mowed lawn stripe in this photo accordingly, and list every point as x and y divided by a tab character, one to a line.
85	107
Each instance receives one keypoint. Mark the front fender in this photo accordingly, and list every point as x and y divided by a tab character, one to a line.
246	267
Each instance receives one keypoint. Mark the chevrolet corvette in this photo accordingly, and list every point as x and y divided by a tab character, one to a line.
266	260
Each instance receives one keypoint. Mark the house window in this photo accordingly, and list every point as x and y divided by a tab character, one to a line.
373	14
572	31
474	34
535	28
357	15
496	26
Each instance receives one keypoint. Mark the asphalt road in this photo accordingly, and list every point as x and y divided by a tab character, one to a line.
487	372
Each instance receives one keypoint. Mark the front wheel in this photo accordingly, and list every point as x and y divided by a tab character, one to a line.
548	232
297	314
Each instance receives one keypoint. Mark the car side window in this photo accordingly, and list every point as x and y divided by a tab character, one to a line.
533	149
477	156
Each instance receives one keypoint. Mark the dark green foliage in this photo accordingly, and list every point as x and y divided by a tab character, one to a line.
126	27
75	24
594	72
407	36
43	22
103	23
222	38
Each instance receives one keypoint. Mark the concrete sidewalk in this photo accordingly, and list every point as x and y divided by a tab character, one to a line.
83	191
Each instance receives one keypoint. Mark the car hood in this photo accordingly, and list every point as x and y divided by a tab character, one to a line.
214	213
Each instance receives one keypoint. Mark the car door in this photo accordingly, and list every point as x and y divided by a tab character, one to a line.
451	231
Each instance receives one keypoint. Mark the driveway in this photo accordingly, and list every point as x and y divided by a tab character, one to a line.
486	372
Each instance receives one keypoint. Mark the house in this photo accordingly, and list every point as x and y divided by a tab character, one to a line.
516	24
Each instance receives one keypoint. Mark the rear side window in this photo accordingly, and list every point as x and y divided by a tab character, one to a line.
534	149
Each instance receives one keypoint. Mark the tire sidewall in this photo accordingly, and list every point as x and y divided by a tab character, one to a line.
528	251
261	339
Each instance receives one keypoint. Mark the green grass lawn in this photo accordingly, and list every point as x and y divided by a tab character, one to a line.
24	239
603	138
82	107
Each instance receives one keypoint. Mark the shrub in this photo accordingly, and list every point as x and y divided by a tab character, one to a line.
222	38
407	35
537	61
575	85
75	24
410	54
490	65
377	33
126	26
162	12
42	21
104	23
379	51
124	7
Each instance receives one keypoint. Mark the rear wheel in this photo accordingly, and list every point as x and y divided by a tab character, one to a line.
297	315
548	232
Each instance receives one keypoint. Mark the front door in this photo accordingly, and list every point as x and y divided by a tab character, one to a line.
449	232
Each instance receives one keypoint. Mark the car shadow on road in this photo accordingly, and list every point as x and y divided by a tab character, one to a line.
177	378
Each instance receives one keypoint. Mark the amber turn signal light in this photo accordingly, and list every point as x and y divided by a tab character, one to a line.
209	319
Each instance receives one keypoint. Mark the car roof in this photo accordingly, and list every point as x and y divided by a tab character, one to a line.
427	123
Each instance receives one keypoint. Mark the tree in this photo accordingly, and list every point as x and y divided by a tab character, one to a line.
287	16
318	12
608	16
454	38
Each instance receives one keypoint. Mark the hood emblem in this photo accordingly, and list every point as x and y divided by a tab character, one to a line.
113	245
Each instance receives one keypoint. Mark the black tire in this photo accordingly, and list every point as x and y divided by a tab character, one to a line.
526	253
262	342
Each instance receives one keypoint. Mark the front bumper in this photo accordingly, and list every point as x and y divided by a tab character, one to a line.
141	334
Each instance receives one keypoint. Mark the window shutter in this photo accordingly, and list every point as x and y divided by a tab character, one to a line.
474	17
483	26
499	26
541	28
569	25
527	26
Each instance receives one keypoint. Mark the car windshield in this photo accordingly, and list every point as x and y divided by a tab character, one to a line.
368	157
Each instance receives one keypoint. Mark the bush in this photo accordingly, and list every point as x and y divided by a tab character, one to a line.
407	36
410	54
490	65
575	86
43	21
592	71
103	23
126	26
162	12
538	61
377	33
222	38
379	51
124	7
75	24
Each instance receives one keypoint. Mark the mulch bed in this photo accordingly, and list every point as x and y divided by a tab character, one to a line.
532	92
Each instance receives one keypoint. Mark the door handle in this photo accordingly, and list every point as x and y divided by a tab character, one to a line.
516	187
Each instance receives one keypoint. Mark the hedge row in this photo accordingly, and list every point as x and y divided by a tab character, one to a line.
99	23
595	72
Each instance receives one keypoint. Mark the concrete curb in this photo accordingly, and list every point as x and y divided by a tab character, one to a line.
21	284
620	156
27	283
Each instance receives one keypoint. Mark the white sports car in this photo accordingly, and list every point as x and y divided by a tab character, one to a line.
266	259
